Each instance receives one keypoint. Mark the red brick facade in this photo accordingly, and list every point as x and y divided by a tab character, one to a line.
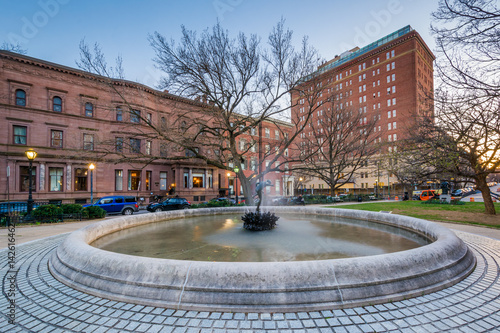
72	118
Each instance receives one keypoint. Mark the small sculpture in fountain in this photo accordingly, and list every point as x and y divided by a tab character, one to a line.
257	221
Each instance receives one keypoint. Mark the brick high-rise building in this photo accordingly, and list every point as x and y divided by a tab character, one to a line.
389	80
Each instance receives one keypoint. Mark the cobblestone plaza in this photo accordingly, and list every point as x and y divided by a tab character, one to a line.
43	304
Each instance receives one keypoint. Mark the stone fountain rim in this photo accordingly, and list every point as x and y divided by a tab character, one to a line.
127	277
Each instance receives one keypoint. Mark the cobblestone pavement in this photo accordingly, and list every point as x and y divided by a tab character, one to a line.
45	305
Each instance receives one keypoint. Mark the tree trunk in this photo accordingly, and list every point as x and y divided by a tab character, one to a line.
246	184
482	186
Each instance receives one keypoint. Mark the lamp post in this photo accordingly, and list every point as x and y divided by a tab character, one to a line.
301	186
228	188
389	185
30	154
91	168
236	170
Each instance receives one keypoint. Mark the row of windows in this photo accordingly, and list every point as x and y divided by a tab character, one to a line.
267	133
81	179
55	179
133	180
362	88
57	106
392	137
363	65
362	77
21	133
21	100
135	145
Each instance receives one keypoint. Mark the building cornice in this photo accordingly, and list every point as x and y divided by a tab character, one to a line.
12	56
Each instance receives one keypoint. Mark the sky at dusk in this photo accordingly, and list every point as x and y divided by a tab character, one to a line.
52	29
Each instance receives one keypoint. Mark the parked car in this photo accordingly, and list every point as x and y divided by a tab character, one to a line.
224	199
117	204
335	198
457	193
428	195
297	201
281	201
169	204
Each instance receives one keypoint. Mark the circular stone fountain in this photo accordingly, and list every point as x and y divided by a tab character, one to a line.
262	286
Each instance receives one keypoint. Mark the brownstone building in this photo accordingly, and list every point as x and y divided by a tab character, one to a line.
389	80
72	118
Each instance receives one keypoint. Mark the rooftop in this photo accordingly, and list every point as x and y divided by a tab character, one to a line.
356	52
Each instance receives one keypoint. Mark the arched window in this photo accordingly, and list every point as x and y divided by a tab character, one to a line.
89	109
20	97
57	104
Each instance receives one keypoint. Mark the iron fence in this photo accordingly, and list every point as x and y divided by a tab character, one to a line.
17	212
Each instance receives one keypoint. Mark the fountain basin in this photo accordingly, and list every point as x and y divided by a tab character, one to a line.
262	286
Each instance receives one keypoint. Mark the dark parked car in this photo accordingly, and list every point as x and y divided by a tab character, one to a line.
297	201
169	204
117	204
224	199
281	201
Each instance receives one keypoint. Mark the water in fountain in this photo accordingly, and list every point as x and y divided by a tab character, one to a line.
223	238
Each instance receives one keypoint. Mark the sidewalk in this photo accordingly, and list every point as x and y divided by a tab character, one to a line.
28	233
45	304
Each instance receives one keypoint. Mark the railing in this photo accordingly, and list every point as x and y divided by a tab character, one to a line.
16	212
9	208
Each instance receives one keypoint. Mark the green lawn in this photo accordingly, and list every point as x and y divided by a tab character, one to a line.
470	213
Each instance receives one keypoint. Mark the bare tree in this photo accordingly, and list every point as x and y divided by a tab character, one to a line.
464	140
243	84
94	61
467	38
337	142
17	48
466	134
410	166
171	130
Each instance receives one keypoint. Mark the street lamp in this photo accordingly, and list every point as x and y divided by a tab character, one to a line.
228	188
301	186
236	170
30	154
91	167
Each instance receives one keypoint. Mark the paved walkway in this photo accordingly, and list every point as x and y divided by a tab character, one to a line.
43	304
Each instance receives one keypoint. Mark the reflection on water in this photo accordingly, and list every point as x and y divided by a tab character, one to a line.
222	238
